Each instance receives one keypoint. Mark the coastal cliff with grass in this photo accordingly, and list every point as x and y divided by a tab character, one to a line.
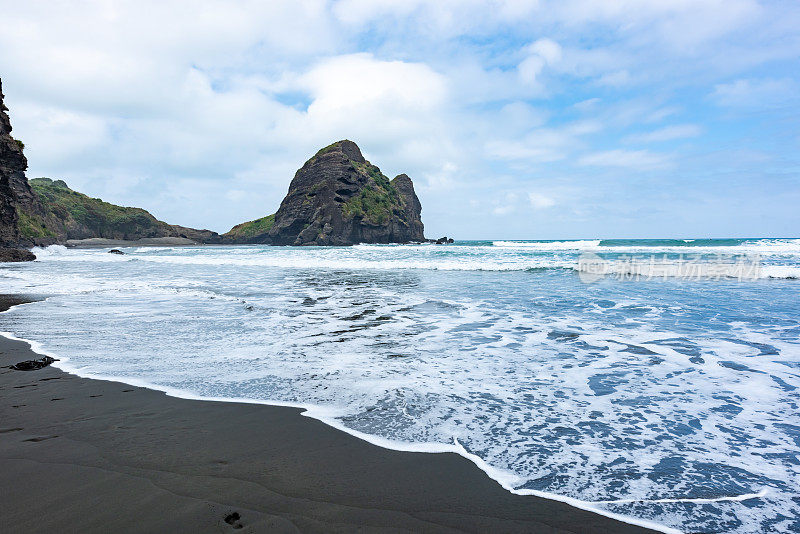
339	198
65	215
14	189
336	198
42	211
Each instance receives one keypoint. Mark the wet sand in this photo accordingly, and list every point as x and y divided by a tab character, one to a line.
82	455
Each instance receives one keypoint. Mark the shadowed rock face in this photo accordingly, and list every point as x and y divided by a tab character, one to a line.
11	254
412	207
13	184
339	198
336	198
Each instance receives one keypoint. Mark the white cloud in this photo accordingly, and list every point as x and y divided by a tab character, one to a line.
587	105
547	49
506	205
55	136
441	178
680	24
540	201
540	53
359	79
364	97
660	114
755	92
503	210
615	79
215	99
628	159
551	149
543	145
445	18
667	133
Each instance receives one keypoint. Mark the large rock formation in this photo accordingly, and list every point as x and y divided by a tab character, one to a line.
13	189
12	176
339	198
336	198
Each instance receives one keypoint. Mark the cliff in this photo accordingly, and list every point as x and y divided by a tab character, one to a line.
336	198
339	198
14	189
44	211
66	214
12	173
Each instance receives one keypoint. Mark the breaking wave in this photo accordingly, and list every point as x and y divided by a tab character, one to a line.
673	402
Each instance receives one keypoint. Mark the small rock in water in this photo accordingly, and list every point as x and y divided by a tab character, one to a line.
115	251
33	365
444	240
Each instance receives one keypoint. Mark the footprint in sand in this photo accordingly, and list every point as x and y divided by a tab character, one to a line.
39	438
233	520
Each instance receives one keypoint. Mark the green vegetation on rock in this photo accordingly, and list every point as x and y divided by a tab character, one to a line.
373	203
327	149
70	212
339	198
32	226
252	228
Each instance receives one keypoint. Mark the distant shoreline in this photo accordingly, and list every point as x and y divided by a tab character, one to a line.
99	242
95	455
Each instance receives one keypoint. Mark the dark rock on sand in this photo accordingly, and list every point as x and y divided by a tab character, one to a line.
10	254
339	198
115	251
33	365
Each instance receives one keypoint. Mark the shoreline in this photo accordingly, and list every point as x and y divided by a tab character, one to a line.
51	417
99	242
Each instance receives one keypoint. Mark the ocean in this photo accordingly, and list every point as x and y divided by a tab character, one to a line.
663	390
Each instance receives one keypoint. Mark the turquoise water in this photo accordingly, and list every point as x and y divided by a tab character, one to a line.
671	399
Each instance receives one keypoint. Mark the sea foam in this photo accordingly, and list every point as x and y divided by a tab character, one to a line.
669	401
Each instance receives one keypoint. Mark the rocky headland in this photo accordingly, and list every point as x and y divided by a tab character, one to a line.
14	190
66	216
43	212
339	198
336	198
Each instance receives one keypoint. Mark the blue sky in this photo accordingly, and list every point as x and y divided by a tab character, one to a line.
515	119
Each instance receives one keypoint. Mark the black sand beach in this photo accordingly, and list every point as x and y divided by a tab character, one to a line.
81	455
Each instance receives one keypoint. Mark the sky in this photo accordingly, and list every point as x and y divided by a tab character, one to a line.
516	119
